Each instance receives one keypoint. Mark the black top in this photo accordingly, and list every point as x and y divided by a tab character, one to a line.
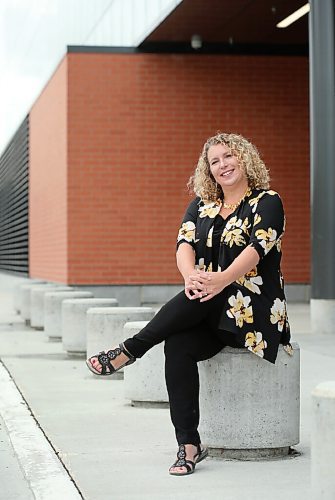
218	227
255	306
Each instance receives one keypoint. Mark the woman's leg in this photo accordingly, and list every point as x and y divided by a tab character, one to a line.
177	315
182	352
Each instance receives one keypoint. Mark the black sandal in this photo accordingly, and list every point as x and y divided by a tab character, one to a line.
105	359
188	464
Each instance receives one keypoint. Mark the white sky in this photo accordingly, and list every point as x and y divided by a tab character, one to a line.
34	35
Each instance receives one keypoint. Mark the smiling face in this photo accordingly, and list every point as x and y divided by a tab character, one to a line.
225	168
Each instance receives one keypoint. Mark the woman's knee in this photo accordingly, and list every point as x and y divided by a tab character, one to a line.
177	344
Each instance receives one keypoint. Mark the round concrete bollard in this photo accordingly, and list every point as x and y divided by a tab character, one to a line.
144	382
53	311
250	408
323	441
105	325
74	320
17	295
37	302
25	299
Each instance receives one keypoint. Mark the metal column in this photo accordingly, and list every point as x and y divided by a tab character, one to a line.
322	122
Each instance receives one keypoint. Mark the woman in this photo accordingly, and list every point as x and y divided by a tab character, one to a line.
228	252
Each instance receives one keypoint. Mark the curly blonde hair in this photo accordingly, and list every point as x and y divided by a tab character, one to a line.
202	182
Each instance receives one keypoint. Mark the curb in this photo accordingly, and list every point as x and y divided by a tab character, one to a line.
46	475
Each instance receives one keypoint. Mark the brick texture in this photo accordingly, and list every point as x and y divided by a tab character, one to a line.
136	125
48	246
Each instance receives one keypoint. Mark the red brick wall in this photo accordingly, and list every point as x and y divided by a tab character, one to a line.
48	181
136	125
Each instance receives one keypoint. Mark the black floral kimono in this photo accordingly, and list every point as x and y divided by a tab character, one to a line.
255	309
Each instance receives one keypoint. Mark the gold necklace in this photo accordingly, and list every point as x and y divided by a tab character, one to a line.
233	206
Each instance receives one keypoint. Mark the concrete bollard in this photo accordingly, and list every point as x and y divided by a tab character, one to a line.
24	299
74	319
17	292
250	408
323	441
53	311
105	325
144	382
37	302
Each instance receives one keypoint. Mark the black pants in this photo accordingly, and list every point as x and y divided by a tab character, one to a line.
189	329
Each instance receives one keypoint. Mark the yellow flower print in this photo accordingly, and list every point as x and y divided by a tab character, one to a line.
241	310
266	238
278	313
234	222
210	210
278	244
209	267
255	343
257	219
233	237
254	201
252	272
232	234
209	242
251	282
187	231
289	349
201	264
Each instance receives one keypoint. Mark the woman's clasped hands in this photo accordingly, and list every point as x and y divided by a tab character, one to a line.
204	285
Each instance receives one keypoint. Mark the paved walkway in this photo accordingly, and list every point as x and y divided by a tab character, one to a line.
66	434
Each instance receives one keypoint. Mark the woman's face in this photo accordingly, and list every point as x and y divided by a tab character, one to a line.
225	167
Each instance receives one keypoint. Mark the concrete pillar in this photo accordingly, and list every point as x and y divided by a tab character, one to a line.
250	408
74	319
25	300
105	325
322	316
322	126
144	381
53	311
323	442
37	303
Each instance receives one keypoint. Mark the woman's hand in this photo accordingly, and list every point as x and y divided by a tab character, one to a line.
207	284
191	291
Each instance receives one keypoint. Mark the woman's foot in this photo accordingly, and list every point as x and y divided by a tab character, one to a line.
187	457
109	362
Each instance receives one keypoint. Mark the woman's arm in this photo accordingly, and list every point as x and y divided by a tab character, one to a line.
186	247
185	260
185	263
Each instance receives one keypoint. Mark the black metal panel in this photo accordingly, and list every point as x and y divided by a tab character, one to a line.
14	223
207	48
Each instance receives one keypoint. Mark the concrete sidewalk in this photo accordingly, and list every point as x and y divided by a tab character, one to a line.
103	448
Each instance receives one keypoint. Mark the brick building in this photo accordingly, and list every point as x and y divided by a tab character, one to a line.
115	135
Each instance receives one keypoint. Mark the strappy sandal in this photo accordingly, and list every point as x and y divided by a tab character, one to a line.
105	359
188	464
